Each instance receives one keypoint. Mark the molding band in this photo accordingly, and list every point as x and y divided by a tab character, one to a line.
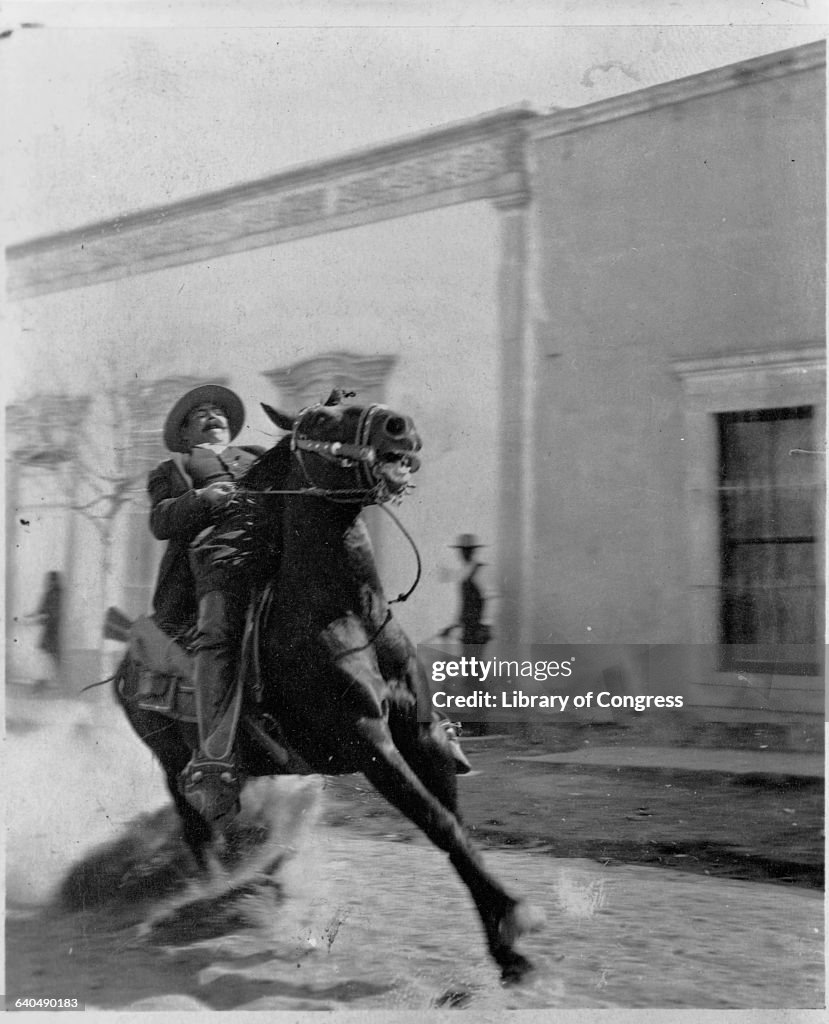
478	159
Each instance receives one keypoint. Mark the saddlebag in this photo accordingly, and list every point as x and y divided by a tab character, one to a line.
165	670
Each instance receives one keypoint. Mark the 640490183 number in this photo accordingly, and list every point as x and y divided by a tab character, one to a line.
43	1003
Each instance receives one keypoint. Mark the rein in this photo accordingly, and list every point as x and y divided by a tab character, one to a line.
330	494
400	597
318	492
405	597
397	600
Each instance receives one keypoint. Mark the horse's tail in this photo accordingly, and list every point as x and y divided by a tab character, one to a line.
101	682
124	675
119	676
116	627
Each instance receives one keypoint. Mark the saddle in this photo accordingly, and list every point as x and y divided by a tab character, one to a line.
163	680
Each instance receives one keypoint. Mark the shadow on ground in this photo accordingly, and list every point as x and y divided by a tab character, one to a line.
758	827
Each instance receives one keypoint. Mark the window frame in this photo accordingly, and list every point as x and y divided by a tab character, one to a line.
740	383
759	655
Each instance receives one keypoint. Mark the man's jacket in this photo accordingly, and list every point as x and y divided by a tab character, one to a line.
178	515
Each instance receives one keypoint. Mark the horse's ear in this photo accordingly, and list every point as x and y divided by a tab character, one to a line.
337	395
281	419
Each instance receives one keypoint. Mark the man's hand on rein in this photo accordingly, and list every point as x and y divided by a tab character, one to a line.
218	493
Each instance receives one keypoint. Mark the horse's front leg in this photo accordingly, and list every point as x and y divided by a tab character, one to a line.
426	749
504	918
424	745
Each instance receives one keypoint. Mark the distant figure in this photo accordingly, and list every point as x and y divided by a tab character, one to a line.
474	632
50	614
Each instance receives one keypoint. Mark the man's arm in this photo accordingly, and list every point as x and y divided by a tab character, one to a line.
175	517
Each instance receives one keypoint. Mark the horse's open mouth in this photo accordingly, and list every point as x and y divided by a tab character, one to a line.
396	468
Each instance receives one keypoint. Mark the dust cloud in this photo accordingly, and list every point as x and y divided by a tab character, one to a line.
78	779
75	776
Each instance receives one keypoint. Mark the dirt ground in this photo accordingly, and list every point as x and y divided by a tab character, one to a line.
135	930
765	828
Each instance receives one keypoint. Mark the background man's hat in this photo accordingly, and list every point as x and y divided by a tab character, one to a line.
206	394
467	541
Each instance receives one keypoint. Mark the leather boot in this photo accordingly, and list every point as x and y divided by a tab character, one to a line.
211	781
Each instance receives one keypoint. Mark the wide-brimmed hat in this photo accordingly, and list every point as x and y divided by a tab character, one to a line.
205	394
467	541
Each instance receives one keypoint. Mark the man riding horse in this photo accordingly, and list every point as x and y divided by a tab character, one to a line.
338	688
206	576
220	548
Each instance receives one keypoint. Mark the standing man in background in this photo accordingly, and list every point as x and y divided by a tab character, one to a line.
474	632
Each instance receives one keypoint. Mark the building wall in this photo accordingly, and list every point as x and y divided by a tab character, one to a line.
691	229
539	346
421	289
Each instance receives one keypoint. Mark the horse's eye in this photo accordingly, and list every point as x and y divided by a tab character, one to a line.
395	426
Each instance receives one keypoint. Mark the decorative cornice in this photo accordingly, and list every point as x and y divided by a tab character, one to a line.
477	159
513	200
809	57
808	357
707	373
312	379
483	158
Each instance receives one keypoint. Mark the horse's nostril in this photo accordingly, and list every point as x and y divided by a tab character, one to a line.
395	426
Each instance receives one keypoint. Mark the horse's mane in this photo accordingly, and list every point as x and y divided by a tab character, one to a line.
271	468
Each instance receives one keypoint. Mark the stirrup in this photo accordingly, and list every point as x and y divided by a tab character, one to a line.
453	731
211	787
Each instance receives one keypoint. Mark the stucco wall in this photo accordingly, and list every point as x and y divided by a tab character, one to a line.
692	229
422	289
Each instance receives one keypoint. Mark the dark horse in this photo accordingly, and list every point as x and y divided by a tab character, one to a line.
339	675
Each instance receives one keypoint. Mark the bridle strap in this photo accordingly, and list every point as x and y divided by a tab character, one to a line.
356	455
336	450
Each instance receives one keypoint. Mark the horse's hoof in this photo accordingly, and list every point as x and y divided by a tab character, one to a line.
521	919
514	969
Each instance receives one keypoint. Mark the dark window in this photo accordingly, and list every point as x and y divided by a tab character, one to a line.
770	498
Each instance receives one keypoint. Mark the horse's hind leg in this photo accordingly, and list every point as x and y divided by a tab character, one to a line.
504	918
163	737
